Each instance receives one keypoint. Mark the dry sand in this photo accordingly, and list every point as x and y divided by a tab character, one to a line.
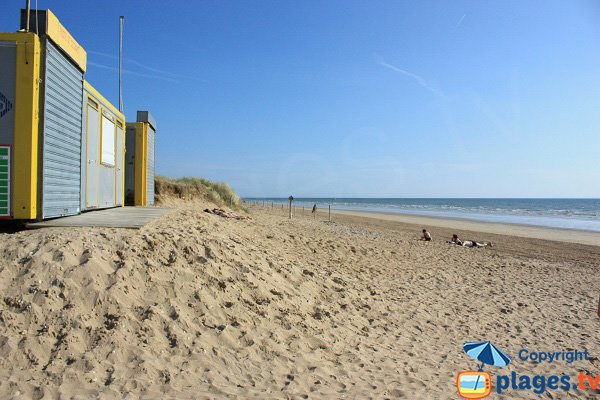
198	306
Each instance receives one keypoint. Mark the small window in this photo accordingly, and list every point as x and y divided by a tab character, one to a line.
92	103
108	142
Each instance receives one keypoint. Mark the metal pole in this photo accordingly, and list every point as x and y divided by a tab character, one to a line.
28	9
121	20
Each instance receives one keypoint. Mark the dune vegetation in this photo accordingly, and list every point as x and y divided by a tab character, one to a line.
188	188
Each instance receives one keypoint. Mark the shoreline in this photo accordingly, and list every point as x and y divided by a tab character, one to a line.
460	224
536	221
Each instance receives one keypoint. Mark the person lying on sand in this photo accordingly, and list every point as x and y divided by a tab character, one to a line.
468	243
473	243
426	236
455	240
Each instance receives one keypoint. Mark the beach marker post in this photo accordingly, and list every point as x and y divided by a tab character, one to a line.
329	212
291	198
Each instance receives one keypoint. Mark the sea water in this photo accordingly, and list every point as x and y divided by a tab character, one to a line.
580	214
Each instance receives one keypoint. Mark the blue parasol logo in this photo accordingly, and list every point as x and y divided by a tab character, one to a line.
487	353
477	385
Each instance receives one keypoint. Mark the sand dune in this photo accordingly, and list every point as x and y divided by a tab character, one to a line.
198	306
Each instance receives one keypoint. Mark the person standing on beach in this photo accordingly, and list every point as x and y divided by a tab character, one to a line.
314	210
426	236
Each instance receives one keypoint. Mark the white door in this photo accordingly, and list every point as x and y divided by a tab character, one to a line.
93	157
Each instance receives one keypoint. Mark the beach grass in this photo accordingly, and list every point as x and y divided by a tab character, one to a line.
219	193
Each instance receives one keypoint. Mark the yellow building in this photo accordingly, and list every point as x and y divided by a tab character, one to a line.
139	168
62	144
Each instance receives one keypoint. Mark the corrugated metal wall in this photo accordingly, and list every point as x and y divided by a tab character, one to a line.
150	166
61	159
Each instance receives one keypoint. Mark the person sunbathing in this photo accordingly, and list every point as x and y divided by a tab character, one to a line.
473	243
455	240
468	243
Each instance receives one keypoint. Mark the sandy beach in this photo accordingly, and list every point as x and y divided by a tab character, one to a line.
194	305
524	231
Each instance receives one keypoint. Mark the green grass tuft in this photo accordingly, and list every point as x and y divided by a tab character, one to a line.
219	193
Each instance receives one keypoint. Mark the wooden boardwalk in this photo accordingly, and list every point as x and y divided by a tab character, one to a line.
120	217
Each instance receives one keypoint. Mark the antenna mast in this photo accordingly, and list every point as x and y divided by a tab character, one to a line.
121	20
28	8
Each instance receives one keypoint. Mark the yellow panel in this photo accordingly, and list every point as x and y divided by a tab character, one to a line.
140	167
144	164
123	134
27	102
124	128
61	36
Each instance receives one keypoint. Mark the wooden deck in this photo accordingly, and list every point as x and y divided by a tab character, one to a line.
120	217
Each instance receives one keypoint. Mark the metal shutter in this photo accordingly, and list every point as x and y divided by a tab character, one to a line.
150	167
61	158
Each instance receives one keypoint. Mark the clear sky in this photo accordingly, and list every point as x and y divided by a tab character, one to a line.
357	98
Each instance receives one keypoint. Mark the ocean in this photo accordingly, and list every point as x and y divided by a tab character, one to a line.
580	214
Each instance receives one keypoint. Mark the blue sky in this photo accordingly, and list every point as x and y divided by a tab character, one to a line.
357	98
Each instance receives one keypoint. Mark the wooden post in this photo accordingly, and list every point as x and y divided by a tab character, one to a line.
291	198
330	213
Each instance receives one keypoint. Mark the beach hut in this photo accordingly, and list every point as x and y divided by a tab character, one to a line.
139	165
41	83
103	152
61	141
